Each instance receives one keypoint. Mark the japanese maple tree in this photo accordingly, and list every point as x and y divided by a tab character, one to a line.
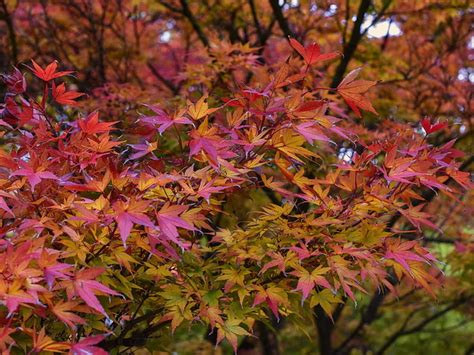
232	185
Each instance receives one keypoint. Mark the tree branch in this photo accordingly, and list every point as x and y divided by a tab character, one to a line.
196	26
325	327
168	83
5	16
282	22
402	331
351	46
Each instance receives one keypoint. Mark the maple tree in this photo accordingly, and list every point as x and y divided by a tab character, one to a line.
236	186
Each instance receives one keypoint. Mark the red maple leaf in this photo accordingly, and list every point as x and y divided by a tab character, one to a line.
169	220
431	128
91	124
163	120
126	214
87	346
352	91
34	177
65	97
49	73
86	287
312	53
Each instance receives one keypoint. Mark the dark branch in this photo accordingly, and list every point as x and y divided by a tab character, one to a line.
282	22
6	16
168	83
196	26
351	46
418	327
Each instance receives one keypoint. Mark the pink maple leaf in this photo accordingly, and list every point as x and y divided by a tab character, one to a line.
86	288
87	346
169	221
128	214
34	177
311	132
163	120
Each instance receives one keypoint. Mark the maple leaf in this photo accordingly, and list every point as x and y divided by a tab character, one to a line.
65	97
42	342
53	269
431	128
311	132
230	330
417	217
290	144
273	296
401	171
143	149
5	339
213	314
49	73
91	124
205	189
163	120
312	53
200	109
86	346
307	281
402	253
86	288
347	277
206	139
169	220
463	178
422	277
326	299
126	214
23	113
102	144
279	261
352	91
310	106
233	277
303	252
33	176
15	82
14	294
4	206
63	310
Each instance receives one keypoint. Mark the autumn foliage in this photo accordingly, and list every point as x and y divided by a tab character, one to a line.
112	228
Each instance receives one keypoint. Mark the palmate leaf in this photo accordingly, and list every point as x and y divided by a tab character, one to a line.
49	73
326	299
88	346
64	312
312	53
291	145
200	109
87	288
273	296
61	96
163	120
307	281
169	220
43	343
232	277
91	124
353	91
230	330
128	214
